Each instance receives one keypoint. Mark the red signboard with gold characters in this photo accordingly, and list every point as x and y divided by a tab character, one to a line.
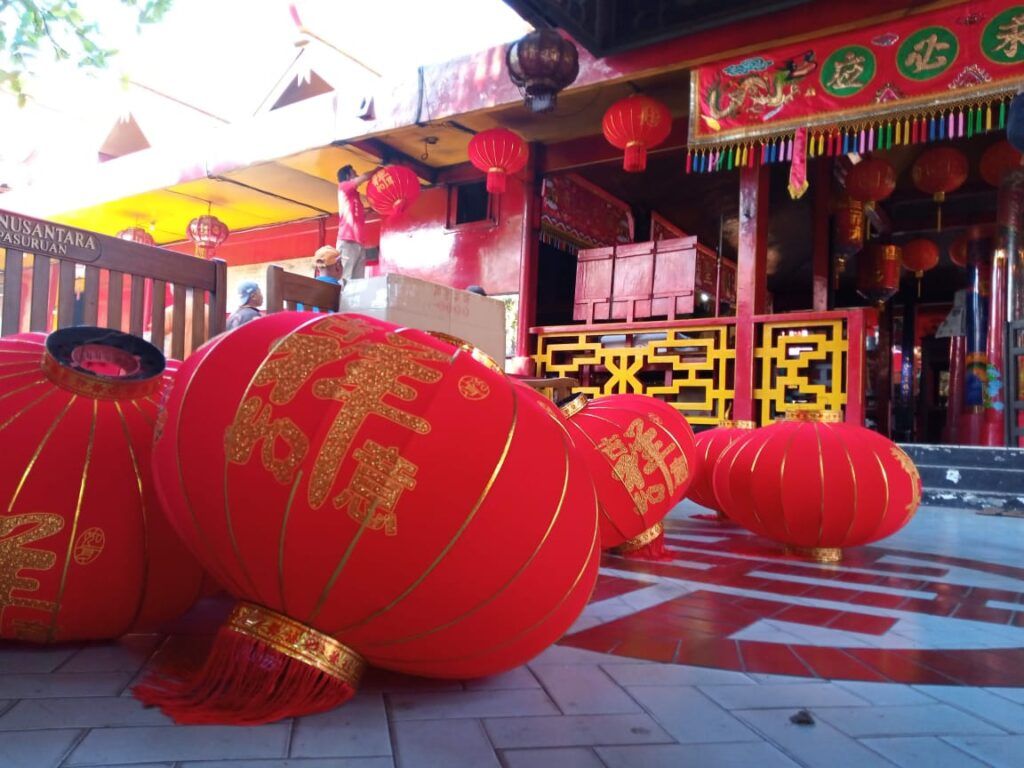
373	495
931	75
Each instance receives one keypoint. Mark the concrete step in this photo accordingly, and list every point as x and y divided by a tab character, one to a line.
975	478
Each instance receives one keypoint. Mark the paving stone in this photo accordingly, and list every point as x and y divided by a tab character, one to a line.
452	744
120	746
558	654
520	677
584	690
997	751
31	659
356	729
885	694
917	720
774	696
475	704
1013	694
689	716
673	674
59	685
815	745
128	654
86	712
35	749
574	731
918	751
568	757
695	756
335	762
988	706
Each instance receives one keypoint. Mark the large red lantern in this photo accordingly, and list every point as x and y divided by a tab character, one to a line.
498	152
818	485
710	445
322	469
997	161
878	272
392	189
207	232
641	454
937	172
88	553
870	181
920	255
635	124
541	64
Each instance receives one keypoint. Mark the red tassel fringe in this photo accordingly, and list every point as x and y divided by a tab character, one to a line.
655	550
244	681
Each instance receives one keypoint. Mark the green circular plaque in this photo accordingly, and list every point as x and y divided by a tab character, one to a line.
927	53
1003	38
848	70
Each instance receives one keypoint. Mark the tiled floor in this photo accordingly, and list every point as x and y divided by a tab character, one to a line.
910	653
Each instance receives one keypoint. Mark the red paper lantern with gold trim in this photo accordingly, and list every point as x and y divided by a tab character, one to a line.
641	453
878	272
710	444
498	152
871	181
353	484
939	171
87	552
817	486
636	124
392	190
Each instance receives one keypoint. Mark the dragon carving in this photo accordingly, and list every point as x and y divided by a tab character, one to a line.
762	94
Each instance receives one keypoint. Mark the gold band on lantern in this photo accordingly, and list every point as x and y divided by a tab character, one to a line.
96	385
641	541
823	417
744	424
817	554
297	641
475	352
574	406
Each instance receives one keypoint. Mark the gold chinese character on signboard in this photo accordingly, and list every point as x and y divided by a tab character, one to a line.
1011	36
847	72
928	54
380	479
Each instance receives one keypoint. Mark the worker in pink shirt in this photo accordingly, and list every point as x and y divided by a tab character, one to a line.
351	223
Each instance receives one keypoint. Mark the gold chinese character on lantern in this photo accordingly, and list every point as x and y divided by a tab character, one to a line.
380	479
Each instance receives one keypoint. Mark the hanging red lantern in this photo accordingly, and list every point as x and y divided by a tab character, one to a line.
136	235
540	65
392	189
207	232
920	255
870	181
636	124
878	272
498	152
958	252
358	522
89	555
997	161
710	445
818	485
847	234
641	454
937	172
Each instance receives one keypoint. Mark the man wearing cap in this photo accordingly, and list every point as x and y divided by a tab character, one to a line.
351	223
327	265
252	298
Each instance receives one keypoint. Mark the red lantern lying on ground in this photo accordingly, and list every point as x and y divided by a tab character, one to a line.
641	454
498	152
636	124
88	553
323	469
818	486
710	444
392	190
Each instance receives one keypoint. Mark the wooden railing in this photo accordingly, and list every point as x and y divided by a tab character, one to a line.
802	359
56	276
286	290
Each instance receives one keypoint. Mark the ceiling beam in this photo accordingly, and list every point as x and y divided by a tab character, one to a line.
386	154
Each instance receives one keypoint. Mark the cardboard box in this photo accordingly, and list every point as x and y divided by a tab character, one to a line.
415	303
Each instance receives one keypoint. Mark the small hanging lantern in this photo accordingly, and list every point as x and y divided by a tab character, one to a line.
920	255
878	272
498	152
136	235
541	64
207	232
937	172
997	161
847	233
958	252
635	124
869	182
392	189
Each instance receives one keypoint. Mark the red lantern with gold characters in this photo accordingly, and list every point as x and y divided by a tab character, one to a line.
641	454
636	124
207	232
870	181
997	161
878	272
939	171
498	152
88	554
818	485
710	445
354	483
392	190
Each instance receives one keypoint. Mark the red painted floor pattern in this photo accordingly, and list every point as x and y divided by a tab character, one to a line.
696	628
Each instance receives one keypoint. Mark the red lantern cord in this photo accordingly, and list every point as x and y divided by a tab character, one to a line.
636	124
498	152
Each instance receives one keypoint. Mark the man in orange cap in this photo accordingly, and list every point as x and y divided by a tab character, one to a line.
327	265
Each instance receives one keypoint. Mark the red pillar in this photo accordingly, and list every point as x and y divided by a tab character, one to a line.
522	363
751	282
822	189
